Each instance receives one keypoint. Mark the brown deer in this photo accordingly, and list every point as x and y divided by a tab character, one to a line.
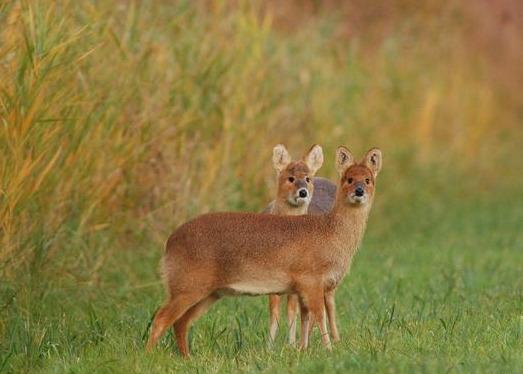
229	253
294	194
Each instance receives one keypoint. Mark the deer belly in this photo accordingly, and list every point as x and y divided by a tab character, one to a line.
260	287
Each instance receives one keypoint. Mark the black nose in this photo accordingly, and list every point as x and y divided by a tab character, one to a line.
303	193
359	191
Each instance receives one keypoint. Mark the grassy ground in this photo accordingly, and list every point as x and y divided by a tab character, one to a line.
120	120
438	290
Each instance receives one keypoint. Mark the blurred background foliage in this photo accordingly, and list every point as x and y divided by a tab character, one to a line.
120	120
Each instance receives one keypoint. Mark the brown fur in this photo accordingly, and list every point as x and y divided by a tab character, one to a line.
322	202
322	198
291	178
247	253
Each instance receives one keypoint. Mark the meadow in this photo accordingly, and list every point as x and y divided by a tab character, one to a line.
121	120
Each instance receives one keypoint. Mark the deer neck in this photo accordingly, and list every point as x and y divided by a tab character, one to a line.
349	222
283	208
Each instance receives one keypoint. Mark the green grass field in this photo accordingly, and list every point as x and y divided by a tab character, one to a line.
119	121
438	290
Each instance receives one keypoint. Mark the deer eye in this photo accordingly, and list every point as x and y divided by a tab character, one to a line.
291	179
367	181
349	180
307	179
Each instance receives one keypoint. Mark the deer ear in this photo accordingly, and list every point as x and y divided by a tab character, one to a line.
314	158
373	160
280	157
344	159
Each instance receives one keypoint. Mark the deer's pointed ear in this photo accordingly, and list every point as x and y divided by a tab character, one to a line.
314	158
344	159
373	160
280	157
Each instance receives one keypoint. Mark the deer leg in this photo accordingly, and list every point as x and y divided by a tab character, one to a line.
169	313
313	300
330	306
274	311
292	311
305	325
182	325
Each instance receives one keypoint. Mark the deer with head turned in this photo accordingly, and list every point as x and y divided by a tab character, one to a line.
294	194
236	253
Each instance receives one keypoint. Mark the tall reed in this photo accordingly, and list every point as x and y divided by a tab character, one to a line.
120	120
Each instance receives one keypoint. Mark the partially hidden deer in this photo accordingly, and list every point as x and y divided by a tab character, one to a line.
235	253
296	190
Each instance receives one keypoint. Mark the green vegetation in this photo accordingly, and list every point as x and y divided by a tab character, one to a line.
120	121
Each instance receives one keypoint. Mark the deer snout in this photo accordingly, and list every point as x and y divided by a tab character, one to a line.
360	190
303	193
300	194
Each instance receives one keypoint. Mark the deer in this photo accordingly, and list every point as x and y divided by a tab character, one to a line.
299	193
239	253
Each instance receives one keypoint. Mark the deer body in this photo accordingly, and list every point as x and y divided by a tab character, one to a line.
292	179
248	253
267	259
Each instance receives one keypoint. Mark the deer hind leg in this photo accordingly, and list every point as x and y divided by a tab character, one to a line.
313	302
182	325
330	306
274	312
169	313
292	311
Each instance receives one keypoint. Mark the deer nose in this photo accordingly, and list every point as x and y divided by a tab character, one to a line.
303	192
359	191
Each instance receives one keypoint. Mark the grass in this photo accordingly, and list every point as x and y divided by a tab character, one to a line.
120	121
444	295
